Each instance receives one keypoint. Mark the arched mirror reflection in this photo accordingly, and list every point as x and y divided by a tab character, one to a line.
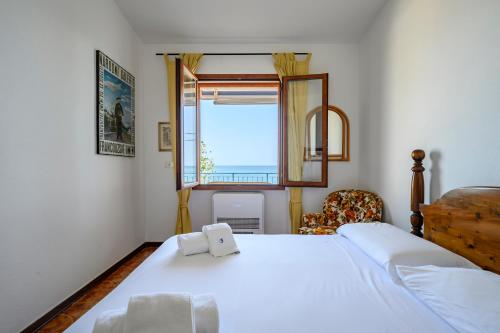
338	135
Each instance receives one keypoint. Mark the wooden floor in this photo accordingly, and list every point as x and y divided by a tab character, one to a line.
69	315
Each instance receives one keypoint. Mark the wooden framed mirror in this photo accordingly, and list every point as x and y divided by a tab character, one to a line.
338	135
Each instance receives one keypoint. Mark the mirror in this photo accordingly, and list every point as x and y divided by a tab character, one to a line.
338	135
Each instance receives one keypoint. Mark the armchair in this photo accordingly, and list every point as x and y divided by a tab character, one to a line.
341	207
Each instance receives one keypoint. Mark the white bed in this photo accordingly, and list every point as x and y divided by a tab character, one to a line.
282	283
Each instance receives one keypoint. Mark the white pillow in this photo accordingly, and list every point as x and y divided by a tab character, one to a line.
390	246
468	299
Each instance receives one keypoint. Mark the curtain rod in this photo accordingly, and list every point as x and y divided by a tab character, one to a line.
233	54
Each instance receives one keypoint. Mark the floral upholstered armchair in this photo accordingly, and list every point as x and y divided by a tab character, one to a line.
341	207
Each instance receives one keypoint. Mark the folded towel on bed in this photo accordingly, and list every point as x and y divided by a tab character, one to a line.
158	313
206	314
192	243
110	321
220	239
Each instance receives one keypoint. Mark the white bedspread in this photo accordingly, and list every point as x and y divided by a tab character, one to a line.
281	283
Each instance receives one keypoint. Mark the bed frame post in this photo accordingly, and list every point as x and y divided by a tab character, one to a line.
417	192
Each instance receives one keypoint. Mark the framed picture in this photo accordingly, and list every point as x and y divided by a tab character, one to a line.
164	136
115	108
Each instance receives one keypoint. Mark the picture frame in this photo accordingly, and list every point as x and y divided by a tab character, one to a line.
164	136
115	108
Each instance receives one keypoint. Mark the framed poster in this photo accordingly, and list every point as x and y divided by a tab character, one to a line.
164	136
115	108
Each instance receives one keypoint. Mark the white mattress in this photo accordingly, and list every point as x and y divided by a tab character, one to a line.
281	283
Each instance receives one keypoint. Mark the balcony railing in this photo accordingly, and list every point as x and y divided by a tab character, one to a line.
234	177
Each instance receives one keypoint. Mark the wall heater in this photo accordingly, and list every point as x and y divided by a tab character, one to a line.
243	211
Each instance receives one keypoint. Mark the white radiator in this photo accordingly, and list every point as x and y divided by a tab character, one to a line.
243	211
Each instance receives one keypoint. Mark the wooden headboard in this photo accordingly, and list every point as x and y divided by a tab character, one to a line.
465	220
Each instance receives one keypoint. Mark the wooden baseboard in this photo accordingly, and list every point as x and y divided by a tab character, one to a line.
37	324
147	244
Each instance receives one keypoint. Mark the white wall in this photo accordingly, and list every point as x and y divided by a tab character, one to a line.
431	80
66	214
341	61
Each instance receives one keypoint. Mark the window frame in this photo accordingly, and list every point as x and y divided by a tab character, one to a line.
324	116
180	69
244	80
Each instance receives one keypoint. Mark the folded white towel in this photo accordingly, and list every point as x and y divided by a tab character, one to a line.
110	321
161	313
192	243
220	239
206	315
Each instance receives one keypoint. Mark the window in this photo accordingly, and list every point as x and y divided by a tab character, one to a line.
232	133
187	124
300	95
239	133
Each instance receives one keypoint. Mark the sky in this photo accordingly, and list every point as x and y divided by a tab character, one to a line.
243	135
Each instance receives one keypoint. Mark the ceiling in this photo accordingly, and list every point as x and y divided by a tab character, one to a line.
251	21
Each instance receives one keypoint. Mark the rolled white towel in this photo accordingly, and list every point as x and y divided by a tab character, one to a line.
206	314
220	239
159	313
192	243
162	313
110	321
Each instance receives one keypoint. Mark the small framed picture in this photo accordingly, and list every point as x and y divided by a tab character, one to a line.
164	136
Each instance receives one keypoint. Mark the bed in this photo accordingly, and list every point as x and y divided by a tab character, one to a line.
300	283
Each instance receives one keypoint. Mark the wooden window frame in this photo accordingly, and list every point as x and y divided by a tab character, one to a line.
238	77
324	125
247	80
179	160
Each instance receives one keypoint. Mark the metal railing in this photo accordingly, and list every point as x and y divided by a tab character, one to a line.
234	177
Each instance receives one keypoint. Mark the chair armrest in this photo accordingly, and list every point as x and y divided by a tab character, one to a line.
325	230
313	220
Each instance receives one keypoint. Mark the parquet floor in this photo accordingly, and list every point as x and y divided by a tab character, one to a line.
69	315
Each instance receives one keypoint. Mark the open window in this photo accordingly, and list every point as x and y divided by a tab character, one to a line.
301	95
245	131
240	135
187	124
